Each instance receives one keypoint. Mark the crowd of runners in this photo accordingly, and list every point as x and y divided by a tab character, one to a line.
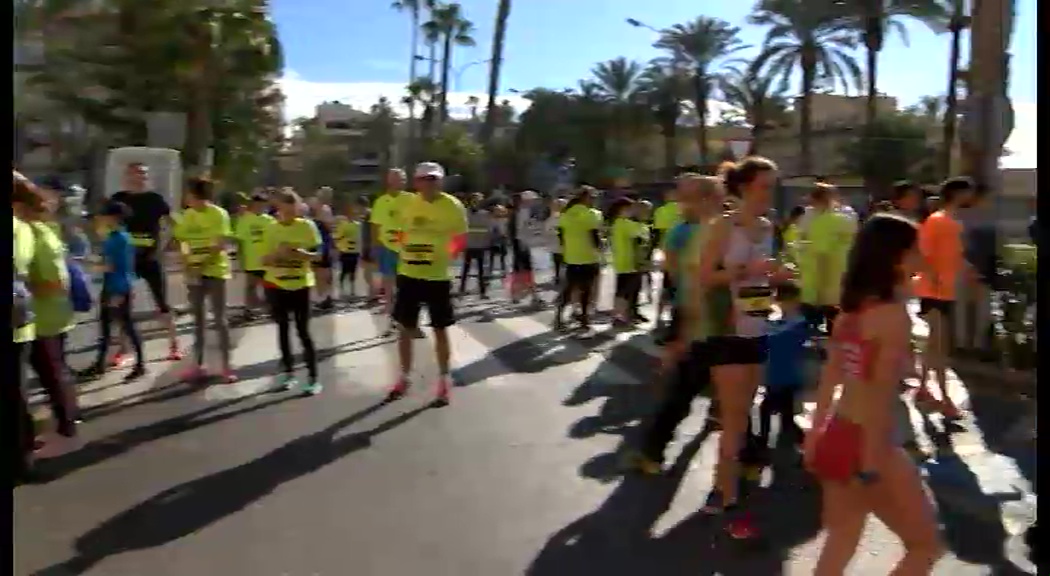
741	301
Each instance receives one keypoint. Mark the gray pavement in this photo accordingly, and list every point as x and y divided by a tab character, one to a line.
518	476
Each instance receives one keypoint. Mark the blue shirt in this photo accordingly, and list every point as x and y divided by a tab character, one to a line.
119	257
786	343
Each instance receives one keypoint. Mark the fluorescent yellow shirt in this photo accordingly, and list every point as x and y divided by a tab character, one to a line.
251	232
666	217
22	256
348	236
387	214
577	229
200	230
292	274
52	309
429	229
626	238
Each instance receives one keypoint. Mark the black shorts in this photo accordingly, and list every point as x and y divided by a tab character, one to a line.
669	290
945	307
348	260
522	258
628	284
413	294
151	270
581	275
735	351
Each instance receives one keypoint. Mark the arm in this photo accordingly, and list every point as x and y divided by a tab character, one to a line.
830	378
459	234
708	272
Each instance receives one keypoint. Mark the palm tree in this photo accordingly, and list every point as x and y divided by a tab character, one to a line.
381	126
809	35
448	23
414	8
761	98
423	92
958	21
472	103
663	87
705	44
618	82
495	64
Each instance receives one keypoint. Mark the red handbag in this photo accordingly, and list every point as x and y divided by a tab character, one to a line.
837	452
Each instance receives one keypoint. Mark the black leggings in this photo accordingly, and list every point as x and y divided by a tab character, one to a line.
348	269
556	260
122	311
294	305
498	250
579	278
475	256
692	378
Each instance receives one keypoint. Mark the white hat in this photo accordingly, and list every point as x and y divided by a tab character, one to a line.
429	170
529	195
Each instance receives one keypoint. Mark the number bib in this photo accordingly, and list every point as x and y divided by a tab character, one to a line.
754	300
418	254
200	250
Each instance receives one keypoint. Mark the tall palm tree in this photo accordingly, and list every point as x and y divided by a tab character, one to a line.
450	25
705	44
422	92
618	82
495	67
811	36
761	97
414	8
663	87
958	20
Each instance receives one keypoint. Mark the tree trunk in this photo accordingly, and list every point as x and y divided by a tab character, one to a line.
951	103
809	70
671	149
499	37
701	116
413	63
446	65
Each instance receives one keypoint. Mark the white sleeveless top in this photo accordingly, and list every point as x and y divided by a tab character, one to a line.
752	296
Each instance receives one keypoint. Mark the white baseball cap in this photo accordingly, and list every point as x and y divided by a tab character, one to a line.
429	170
529	195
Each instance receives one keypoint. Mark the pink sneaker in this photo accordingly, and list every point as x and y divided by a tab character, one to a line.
443	391
229	377
398	390
174	354
118	360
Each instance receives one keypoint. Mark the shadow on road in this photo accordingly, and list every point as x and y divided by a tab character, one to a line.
114	445
189	507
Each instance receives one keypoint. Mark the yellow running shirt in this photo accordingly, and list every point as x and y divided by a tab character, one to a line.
429	229
626	235
666	217
386	213
251	232
291	274
22	254
577	229
200	230
348	236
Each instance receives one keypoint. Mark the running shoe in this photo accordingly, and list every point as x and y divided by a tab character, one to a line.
635	461
229	377
312	388
443	391
90	374
193	374
741	526
925	400
174	354
137	372
398	390
119	360
285	382
715	503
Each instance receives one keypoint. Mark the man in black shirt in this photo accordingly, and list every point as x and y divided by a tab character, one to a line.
149	210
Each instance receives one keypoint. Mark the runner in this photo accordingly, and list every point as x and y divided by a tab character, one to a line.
14	403
434	233
580	233
498	249
627	237
644	218
479	239
522	233
941	243
550	233
386	229
321	213
251	232
737	272
665	218
700	199
149	211
289	248
852	449
348	244
204	230
907	199
825	238
368	265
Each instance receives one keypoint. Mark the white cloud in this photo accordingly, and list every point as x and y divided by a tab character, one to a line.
302	95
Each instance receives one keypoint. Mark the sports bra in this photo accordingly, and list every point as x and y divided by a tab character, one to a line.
858	353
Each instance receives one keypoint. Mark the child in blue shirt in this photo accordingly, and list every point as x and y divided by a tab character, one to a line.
785	366
118	276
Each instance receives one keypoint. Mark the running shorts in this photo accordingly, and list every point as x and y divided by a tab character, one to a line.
149	268
413	294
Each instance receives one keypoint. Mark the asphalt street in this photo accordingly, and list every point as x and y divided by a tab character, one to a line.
519	475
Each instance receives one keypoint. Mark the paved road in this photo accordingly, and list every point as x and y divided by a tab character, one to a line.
518	476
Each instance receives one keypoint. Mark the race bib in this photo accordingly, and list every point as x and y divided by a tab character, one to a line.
754	300
418	254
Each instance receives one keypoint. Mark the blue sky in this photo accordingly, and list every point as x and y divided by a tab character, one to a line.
333	53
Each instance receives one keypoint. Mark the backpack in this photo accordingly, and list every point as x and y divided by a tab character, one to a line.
79	287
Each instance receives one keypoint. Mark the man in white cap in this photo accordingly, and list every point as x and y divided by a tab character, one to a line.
433	233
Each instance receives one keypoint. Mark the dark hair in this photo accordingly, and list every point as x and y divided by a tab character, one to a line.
796	212
901	189
617	207
952	187
877	250
259	197
583	192
745	171
788	291
25	192
201	188
117	209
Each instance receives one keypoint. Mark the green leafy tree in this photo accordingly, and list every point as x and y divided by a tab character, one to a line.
811	37
896	148
758	98
664	87
455	149
452	28
705	44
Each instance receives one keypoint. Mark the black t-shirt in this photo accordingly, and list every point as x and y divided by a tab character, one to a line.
147	210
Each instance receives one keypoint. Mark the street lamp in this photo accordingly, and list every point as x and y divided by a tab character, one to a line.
639	24
457	72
